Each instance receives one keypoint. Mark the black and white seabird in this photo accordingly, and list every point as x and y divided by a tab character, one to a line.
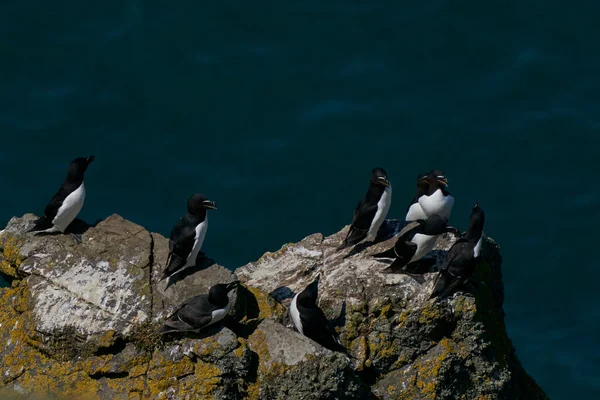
437	200
371	210
462	258
67	202
187	235
310	320
414	211
416	240
201	311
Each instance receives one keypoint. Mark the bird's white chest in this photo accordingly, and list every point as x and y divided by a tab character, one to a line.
201	229
437	203
295	314
70	208
477	248
383	206
220	313
415	212
425	244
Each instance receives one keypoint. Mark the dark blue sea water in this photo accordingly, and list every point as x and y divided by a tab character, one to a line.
278	110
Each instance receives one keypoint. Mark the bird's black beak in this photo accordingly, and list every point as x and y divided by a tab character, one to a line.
90	159
232	285
382	180
443	181
476	206
211	205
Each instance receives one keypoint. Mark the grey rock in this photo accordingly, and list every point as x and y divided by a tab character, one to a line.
292	366
80	320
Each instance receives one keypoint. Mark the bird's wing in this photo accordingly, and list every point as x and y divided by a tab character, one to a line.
451	270
316	327
408	227
361	222
404	253
180	246
57	200
192	315
363	215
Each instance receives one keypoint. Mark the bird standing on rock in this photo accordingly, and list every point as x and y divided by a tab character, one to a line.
310	320
67	202
437	200
416	240
371	211
188	235
201	311
462	258
414	211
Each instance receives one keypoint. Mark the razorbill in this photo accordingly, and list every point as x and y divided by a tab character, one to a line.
310	320
201	311
187	235
371	211
437	200
416	240
414	211
462	258
67	202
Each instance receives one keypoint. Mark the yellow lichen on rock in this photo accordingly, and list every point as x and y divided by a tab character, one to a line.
11	256
267	306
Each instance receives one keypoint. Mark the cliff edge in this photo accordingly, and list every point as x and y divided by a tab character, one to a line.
79	321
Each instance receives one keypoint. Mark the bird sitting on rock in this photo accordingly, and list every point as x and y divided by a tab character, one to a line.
310	320
371	211
415	240
201	311
462	258
188	235
67	202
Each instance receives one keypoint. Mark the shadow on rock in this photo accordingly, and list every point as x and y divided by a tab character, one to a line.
202	262
340	321
246	305
282	293
387	231
193	334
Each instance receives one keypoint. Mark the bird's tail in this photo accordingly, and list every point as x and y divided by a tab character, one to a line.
354	237
390	253
444	283
173	265
41	224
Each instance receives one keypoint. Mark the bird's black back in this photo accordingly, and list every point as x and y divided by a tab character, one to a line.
363	216
68	187
193	314
314	323
181	242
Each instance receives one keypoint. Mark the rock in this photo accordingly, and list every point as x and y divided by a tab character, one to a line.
169	294
80	320
407	346
294	367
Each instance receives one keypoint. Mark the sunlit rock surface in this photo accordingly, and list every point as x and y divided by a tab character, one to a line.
79	321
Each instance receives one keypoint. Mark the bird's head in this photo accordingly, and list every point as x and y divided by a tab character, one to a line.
78	166
199	202
379	177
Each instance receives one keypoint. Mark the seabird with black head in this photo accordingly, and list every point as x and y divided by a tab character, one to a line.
415	241
310	320
67	202
188	235
201	311
462	258
438	199
371	210
414	211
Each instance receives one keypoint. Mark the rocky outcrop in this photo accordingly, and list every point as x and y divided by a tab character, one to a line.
80	320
